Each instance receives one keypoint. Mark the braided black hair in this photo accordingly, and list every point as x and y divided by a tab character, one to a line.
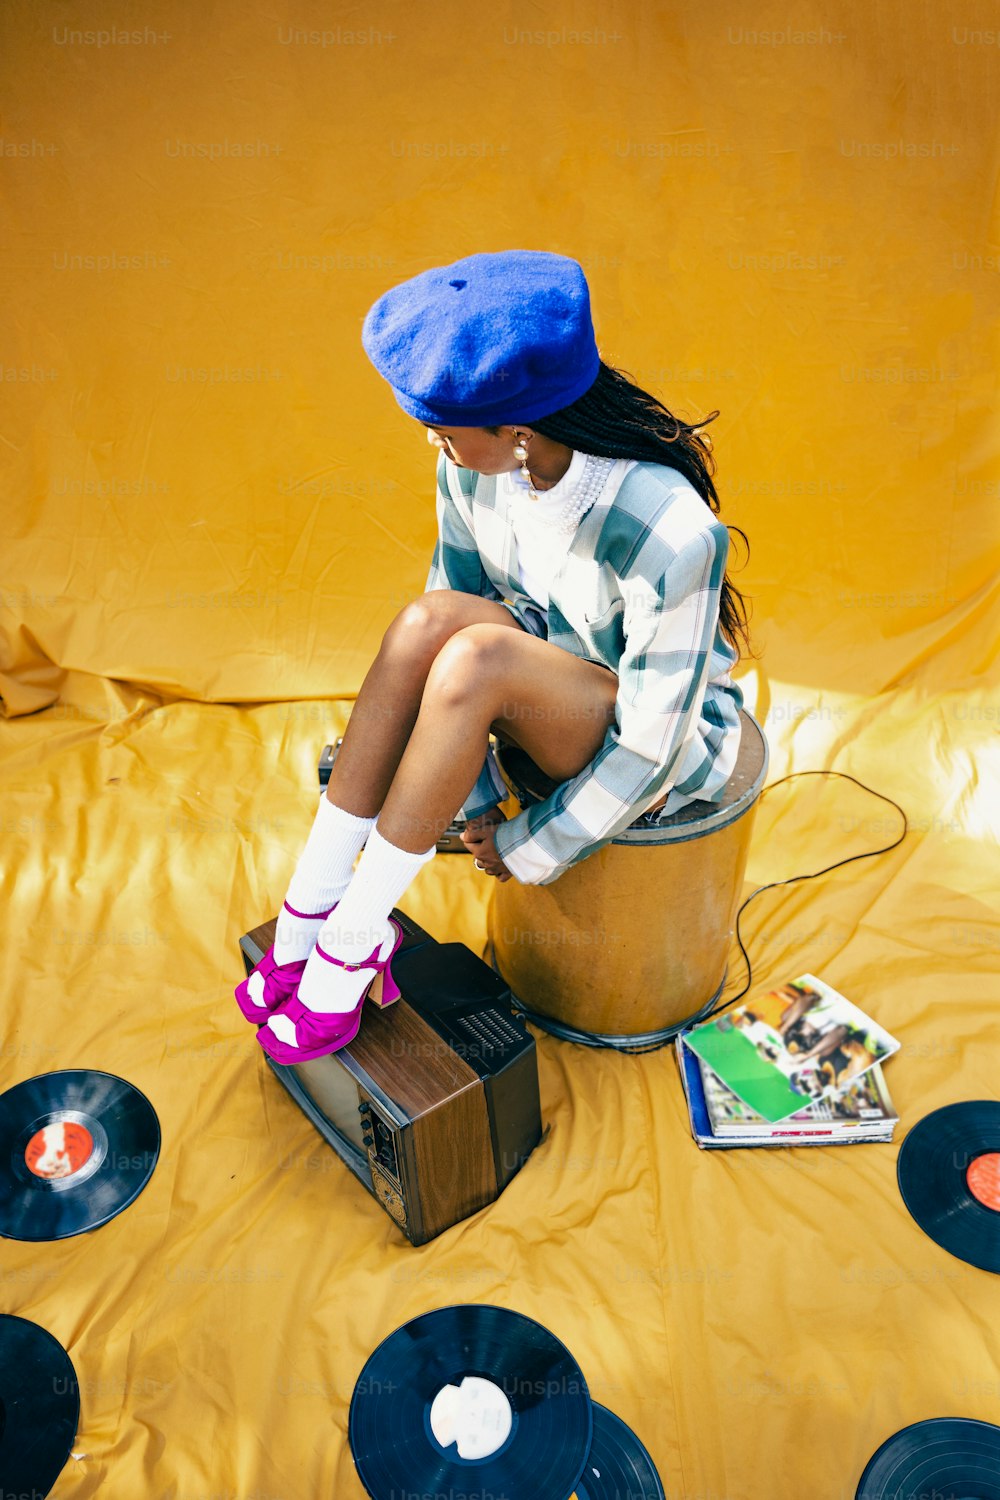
616	418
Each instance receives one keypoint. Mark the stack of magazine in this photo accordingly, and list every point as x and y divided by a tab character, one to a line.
799	1065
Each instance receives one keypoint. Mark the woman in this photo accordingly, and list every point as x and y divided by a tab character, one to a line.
576	605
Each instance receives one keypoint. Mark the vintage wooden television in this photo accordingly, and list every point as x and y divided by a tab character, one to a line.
434	1106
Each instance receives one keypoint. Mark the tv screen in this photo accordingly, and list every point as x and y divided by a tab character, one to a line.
335	1094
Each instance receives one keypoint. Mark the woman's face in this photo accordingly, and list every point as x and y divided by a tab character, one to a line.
477	448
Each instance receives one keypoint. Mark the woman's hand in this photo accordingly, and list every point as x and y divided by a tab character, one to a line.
477	836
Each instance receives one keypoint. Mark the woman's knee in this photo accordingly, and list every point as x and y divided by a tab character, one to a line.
470	666
422	626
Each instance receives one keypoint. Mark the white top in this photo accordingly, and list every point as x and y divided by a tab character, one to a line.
541	544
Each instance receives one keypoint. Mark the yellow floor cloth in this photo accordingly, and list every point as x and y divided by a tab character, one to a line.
733	1309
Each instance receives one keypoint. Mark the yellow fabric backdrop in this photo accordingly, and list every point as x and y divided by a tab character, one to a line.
213	508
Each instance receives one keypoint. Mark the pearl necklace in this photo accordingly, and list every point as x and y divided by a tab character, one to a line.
582	496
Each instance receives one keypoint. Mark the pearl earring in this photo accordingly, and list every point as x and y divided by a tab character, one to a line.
521	454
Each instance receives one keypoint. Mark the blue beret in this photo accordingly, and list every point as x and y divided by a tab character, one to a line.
493	339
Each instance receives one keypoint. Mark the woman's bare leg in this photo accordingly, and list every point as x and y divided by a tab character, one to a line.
554	705
389	700
427	747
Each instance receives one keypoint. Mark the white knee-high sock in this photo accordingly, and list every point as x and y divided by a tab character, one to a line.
321	877
360	921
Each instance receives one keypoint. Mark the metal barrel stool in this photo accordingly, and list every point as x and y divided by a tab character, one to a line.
632	943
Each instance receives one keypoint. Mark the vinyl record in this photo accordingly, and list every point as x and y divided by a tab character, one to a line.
39	1407
76	1147
949	1458
471	1400
617	1465
949	1176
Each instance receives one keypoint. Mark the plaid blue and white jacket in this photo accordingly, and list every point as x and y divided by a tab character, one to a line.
639	593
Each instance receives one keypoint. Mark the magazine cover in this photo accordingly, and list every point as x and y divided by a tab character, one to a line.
801	1042
772	1137
865	1102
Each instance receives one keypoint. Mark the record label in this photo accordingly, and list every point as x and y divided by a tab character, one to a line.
948	1178
471	1400
76	1147
476	1416
59	1149
983	1178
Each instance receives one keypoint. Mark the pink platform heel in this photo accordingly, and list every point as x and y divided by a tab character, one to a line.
279	980
320	1032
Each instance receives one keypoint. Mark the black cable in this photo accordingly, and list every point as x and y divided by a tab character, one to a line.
866	854
772	885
